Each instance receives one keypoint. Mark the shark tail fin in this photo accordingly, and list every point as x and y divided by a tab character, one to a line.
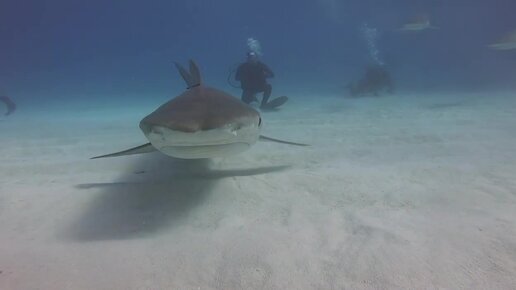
265	138
192	77
145	148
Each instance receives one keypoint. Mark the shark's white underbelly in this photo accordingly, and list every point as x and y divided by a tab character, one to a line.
204	151
203	144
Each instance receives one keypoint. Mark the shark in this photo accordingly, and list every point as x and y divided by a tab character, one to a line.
419	23
202	122
507	42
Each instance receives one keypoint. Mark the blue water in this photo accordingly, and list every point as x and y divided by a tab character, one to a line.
76	50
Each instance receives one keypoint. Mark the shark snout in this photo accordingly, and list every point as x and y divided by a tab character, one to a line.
154	130
157	135
146	128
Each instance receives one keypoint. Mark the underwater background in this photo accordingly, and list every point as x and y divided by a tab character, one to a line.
412	189
110	51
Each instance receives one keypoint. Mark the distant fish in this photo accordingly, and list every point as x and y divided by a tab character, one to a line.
419	23
11	106
507	42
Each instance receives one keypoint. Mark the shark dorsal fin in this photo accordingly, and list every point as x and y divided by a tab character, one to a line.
192	77
195	73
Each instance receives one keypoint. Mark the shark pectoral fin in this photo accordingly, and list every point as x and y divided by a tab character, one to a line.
145	148
265	138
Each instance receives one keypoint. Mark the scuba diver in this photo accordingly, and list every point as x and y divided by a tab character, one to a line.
253	75
375	80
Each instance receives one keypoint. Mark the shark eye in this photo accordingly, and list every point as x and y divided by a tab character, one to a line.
259	122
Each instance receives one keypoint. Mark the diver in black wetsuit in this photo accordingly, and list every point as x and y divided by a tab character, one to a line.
253	75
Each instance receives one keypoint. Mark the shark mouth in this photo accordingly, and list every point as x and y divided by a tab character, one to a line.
218	142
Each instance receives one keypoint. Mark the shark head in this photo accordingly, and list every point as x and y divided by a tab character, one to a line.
202	123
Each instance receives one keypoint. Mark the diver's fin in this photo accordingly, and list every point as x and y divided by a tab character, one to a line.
274	103
265	138
145	148
195	74
11	106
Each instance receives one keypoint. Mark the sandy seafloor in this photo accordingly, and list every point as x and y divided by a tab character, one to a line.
413	191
